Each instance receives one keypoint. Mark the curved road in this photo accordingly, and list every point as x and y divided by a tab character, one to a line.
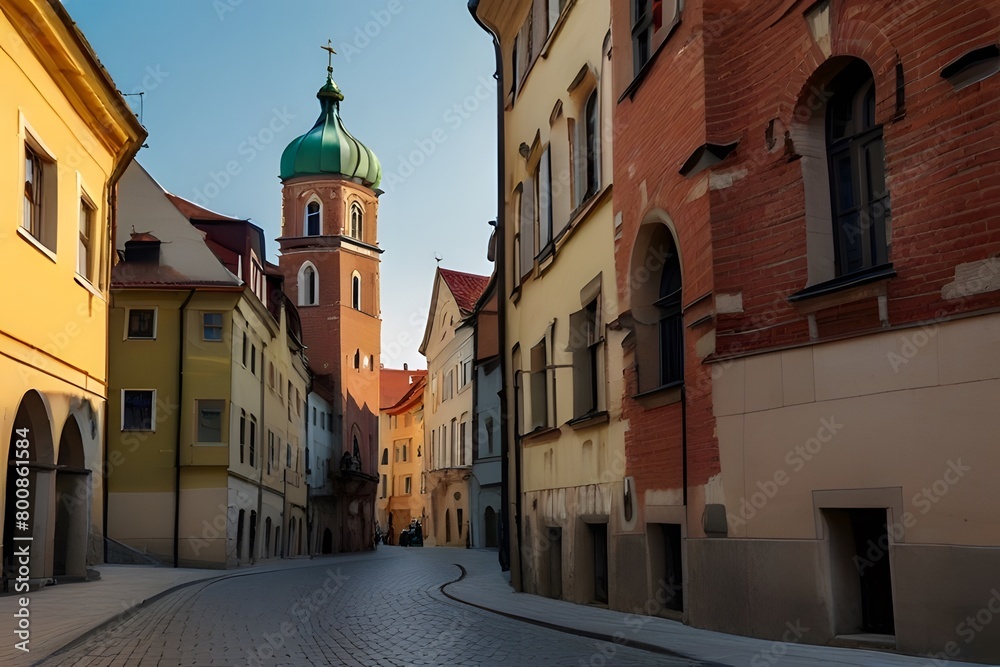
383	609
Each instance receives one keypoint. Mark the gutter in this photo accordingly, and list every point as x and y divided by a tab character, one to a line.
180	415
501	258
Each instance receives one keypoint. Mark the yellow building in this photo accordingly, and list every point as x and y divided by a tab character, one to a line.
209	381
562	351
401	496
67	136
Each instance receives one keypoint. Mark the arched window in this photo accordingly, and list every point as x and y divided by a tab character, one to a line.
592	144
357	221
356	291
656	308
856	154
313	219
308	285
385	456
357	359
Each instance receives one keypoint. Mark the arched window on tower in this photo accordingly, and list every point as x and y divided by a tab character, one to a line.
357	359
308	285
312	218
356	291
357	221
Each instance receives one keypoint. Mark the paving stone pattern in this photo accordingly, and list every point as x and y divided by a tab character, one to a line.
383	611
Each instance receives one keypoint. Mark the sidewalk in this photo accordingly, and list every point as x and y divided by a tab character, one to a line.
61	614
486	587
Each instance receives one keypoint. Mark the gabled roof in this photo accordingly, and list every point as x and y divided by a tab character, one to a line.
192	211
395	384
465	287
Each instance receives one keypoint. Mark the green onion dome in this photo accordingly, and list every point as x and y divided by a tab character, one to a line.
328	148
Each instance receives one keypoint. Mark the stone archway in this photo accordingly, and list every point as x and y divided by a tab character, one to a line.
72	509
30	449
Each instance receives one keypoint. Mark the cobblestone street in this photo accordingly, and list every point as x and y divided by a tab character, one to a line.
383	610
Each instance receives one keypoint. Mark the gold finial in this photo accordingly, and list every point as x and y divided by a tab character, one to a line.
331	53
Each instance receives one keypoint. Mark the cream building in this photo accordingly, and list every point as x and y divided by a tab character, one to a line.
563	354
449	347
67	136
207	368
402	480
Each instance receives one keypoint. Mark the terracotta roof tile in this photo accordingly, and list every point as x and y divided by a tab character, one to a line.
467	287
192	211
394	385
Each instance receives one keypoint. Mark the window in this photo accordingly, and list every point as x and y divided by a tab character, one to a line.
243	433
526	258
314	416
253	441
544	219
466	373
856	153
308	285
40	191
270	450
407	485
212	326
449	386
462	440
591	146
652	22
209	415
405	453
138	409
396	455
312	218
246	343
454	443
288	455
385	484
141	323
357	359
585	343
86	264
555	10
419	451
657	304
539	387
385	456
357	221
322	421
489	435
356	291
253	359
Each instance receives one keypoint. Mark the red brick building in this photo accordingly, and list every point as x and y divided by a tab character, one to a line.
330	260
809	206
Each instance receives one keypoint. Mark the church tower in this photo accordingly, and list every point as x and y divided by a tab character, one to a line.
330	261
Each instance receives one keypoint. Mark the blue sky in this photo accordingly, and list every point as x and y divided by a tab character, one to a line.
229	83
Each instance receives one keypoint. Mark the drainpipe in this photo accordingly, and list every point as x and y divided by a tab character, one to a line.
501	258
684	445
180	415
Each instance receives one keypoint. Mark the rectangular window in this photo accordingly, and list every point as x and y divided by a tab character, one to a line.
253	441
407	485
404	453
288	455
211	326
86	264
527	227
253	359
555	10
539	387
243	433
40	201
461	442
246	343
209	414
270	450
141	323
138	409
466	374
453	458
585	343
395	454
652	21
314	416
449	385
544	203
385	485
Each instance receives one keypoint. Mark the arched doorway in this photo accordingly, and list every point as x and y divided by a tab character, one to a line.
490	527
327	541
30	449
72	520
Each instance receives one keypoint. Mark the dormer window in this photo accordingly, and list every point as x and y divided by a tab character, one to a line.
357	221
313	219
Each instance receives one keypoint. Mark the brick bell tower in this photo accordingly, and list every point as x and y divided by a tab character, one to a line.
330	259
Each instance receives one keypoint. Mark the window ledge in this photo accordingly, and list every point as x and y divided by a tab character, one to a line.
668	394
26	235
633	87
589	419
544	53
87	285
844	289
540	435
